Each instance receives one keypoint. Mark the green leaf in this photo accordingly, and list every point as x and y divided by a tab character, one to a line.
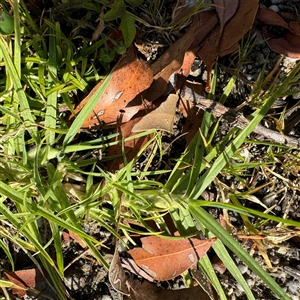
128	29
25	111
51	114
117	11
6	23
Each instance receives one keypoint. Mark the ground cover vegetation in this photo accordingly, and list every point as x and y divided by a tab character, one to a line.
174	168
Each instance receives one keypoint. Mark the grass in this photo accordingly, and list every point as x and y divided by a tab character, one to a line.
49	175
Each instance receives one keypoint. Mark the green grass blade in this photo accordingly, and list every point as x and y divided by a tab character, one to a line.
246	211
81	117
225	157
7	252
209	271
50	119
25	111
202	217
223	254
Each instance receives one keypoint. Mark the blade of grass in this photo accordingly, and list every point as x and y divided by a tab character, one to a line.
17	38
50	119
25	111
246	211
223	254
84	113
224	157
185	225
7	251
209	271
202	217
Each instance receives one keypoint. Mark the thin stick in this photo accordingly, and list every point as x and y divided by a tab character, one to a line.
237	119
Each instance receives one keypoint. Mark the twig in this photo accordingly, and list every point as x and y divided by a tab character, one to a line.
236	118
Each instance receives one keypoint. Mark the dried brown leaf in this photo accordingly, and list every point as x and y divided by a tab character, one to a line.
161	118
226	9
165	259
294	27
233	31
270	17
288	46
121	99
288	43
116	274
25	279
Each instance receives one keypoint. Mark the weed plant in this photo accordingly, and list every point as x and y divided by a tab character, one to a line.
48	175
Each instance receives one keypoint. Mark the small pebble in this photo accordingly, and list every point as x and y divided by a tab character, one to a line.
243	269
274	7
249	77
250	282
293	286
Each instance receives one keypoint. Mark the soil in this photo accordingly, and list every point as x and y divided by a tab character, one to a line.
87	279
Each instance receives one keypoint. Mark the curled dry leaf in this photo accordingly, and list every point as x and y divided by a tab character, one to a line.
121	99
161	118
165	259
168	63
116	274
25	279
202	280
287	43
226	9
233	31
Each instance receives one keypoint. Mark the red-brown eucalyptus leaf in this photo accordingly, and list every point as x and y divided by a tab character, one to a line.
226	9
270	17
168	63
162	118
214	46
30	278
288	43
121	99
294	27
164	259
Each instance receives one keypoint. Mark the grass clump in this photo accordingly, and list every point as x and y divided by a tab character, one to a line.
50	177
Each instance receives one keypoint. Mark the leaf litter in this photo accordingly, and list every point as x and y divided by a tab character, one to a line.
126	108
213	40
164	259
161	259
